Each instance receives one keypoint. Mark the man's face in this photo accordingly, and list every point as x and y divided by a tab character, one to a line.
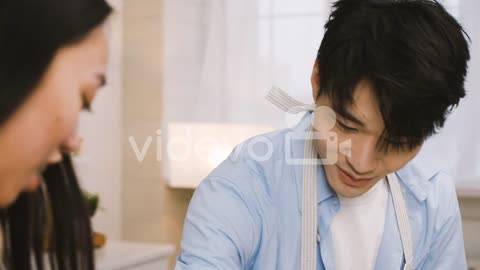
354	175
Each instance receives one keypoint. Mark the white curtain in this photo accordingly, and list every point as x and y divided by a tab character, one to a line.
230	88
213	66
222	56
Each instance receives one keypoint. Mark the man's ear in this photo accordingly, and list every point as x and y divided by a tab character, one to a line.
315	80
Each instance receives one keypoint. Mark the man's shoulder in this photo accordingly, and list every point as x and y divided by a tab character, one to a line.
253	166
253	155
431	187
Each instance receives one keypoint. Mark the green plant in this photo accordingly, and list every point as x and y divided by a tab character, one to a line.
92	201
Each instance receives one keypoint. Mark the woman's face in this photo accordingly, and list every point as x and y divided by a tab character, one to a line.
45	125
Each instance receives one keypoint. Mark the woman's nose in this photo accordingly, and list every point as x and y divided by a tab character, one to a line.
71	145
55	157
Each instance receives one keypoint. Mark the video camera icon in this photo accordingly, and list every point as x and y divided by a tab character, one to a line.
331	145
323	120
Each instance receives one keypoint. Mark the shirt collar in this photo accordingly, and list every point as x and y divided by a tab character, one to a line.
416	174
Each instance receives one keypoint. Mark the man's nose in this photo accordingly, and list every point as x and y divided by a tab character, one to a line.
364	156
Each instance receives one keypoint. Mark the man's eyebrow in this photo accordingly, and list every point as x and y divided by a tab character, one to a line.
351	118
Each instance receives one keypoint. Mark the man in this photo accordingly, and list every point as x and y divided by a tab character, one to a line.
391	71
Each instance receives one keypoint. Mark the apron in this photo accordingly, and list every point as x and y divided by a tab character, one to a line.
309	191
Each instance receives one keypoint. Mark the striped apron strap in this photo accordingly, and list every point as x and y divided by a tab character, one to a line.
309	185
402	220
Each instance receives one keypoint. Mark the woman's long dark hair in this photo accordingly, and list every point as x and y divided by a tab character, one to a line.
53	219
31	33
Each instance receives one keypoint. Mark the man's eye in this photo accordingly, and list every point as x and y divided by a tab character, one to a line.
346	128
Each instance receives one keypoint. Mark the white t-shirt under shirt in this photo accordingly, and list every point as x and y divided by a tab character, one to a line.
357	229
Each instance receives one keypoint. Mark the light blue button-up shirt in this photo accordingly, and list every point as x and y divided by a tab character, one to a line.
247	213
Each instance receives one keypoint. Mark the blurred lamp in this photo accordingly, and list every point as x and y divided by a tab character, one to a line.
193	150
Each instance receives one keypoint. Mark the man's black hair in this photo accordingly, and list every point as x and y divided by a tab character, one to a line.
412	52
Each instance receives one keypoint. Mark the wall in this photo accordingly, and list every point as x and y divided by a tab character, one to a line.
470	209
151	211
99	166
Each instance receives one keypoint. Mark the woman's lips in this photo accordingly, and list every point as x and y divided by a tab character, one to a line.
347	179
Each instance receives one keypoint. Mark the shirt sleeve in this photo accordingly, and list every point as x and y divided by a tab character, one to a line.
222	228
448	249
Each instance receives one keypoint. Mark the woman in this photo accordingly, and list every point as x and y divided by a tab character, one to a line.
52	61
